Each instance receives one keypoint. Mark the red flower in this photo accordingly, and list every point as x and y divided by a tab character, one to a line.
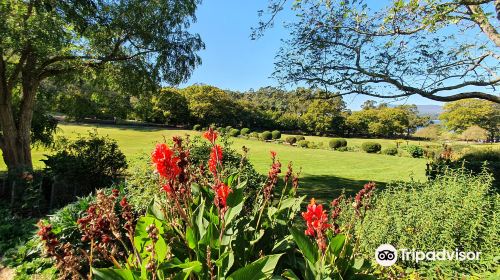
273	154
222	191
165	161
215	158
316	218
210	135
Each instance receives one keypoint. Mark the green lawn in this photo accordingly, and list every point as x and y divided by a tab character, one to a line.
324	173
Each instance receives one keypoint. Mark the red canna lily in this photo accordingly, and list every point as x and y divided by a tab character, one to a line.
165	162
222	191
215	159
317	223
210	135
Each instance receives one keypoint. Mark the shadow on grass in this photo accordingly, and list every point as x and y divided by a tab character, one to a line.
325	188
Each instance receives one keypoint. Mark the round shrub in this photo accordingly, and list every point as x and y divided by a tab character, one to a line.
415	151
266	135
234	132
197	127
390	151
228	128
254	135
291	140
245	131
335	143
300	137
343	142
303	143
371	147
276	134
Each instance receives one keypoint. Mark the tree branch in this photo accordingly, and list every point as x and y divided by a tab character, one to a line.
478	16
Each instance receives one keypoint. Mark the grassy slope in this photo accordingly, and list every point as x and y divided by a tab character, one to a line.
324	172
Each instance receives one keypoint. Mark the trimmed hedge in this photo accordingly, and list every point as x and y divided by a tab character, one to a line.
234	132
390	151
276	134
303	143
291	140
266	135
371	147
245	131
336	143
300	137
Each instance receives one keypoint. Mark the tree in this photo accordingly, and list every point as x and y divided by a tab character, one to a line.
460	115
324	116
211	105
170	106
431	132
444	50
474	133
49	38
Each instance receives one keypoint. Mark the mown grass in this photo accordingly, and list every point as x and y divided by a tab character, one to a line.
324	172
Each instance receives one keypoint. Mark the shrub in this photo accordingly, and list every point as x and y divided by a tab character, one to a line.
335	143
291	140
343	142
254	135
390	151
371	147
266	135
228	128
303	143
234	132
276	134
245	131
415	151
197	127
300	137
80	166
456	210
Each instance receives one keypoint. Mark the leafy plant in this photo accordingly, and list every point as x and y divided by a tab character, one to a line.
197	127
371	147
245	131
415	151
291	140
276	134
303	144
234	132
266	136
390	151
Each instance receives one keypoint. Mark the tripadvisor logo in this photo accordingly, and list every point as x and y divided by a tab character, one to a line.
387	255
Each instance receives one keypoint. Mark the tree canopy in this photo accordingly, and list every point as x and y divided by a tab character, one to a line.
444	50
49	38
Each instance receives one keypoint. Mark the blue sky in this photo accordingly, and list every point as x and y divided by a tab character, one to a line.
233	61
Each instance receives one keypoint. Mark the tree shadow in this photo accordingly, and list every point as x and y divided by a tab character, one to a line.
325	188
132	127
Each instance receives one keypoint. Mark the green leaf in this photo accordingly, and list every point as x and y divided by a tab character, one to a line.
305	245
110	274
201	222
191	238
288	274
259	269
235	202
161	249
336	244
154	209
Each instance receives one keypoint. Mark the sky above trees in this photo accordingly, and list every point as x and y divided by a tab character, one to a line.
233	61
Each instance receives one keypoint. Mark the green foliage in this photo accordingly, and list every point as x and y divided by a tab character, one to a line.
80	166
415	151
266	135
291	140
276	134
336	143
371	147
456	210
390	151
254	134
14	230
245	131
197	127
462	114
170	107
234	132
300	137
324	116
304	144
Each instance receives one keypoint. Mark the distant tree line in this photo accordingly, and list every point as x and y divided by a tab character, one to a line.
308	110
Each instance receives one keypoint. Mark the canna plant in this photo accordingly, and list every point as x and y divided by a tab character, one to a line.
206	223
334	254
